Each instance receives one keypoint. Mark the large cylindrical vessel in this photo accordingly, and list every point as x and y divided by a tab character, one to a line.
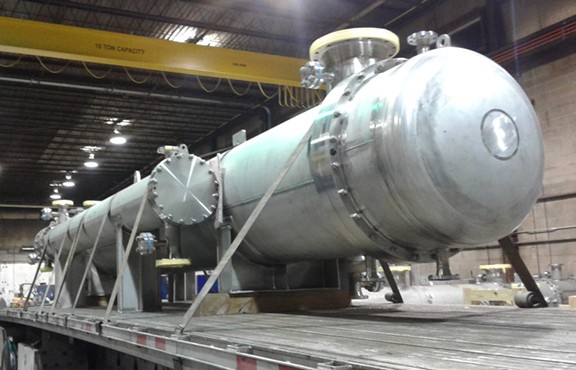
406	157
443	150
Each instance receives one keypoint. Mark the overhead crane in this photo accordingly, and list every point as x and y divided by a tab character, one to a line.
94	46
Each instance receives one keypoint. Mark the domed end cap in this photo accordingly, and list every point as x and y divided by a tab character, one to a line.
474	144
183	190
385	43
62	203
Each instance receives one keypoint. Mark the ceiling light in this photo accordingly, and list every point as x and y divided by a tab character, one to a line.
118	121
55	195
183	34
91	162
118	138
124	122
212	39
68	182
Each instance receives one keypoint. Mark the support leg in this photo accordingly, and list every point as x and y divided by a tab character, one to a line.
179	286
61	277
53	274
227	277
443	271
42	255
128	299
533	297
356	286
174	260
126	255
372	282
396	296
89	263
171	282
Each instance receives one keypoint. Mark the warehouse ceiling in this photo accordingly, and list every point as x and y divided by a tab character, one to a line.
53	111
51	108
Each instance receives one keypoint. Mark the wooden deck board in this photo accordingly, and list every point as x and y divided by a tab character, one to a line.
434	344
392	336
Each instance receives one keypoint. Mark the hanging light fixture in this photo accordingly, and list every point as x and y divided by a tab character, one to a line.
68	182
55	195
118	138
91	162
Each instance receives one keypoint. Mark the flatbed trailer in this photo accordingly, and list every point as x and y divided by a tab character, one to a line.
390	166
381	336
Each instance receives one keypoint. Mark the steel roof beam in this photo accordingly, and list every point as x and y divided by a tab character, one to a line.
117	91
176	21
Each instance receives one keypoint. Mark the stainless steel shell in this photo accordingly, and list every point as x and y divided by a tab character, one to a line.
119	209
443	150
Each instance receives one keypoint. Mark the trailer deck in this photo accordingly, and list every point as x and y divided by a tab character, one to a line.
381	336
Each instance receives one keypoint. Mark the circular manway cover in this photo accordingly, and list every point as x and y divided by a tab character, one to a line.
183	190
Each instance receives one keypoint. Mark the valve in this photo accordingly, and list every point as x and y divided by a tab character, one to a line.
312	75
46	214
423	40
145	244
33	258
172	150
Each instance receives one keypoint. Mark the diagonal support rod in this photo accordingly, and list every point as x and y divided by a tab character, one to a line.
90	259
36	276
243	231
52	275
69	259
396	295
535	298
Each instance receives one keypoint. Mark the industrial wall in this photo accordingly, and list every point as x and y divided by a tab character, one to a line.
18	227
524	17
14	274
552	89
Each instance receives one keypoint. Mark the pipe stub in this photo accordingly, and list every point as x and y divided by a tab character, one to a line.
387	41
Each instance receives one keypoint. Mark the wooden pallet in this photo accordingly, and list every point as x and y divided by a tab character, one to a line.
492	297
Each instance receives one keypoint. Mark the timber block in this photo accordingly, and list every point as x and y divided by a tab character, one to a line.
286	301
493	297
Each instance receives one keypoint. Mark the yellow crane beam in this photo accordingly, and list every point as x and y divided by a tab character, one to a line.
81	44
